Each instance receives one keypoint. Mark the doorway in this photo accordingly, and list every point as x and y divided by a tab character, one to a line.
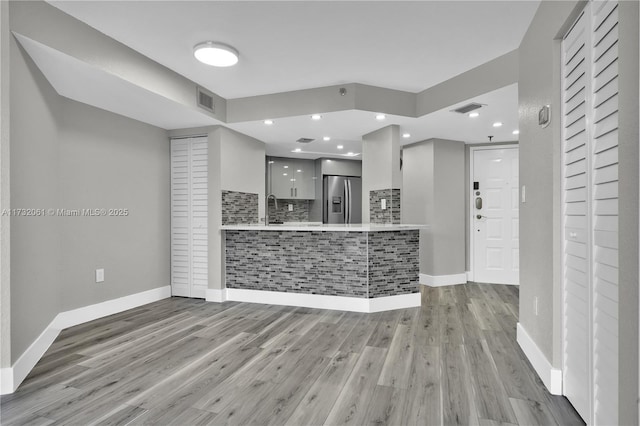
494	214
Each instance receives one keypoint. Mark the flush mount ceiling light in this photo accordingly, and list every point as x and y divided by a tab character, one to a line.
326	138
340	147
474	114
215	54
268	122
497	124
516	132
380	117
406	135
316	117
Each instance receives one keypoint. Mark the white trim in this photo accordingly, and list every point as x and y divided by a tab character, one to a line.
551	377
319	301
12	377
470	276
442	280
216	295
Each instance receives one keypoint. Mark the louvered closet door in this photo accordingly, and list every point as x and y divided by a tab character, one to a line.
189	236
590	205
604	192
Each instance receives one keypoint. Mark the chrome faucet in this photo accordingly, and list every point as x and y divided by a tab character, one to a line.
266	207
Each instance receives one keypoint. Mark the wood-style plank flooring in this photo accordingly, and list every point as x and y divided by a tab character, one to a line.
181	361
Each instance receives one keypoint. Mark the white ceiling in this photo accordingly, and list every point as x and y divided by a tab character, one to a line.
292	45
347	127
287	46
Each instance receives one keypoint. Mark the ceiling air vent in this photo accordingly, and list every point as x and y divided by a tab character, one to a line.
205	99
465	109
305	140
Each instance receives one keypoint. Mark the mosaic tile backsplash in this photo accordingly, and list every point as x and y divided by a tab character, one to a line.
300	211
392	213
352	264
239	207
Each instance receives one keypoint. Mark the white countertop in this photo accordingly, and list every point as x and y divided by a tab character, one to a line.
320	227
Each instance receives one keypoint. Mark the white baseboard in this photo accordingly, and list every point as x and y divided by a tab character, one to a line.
551	377
442	280
469	276
12	377
215	295
319	301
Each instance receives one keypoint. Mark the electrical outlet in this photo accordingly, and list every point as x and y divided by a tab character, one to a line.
383	203
99	275
535	305
290	207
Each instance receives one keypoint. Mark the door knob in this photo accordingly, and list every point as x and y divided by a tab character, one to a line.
479	216
478	203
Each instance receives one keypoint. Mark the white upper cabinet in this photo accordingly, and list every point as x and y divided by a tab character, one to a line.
291	179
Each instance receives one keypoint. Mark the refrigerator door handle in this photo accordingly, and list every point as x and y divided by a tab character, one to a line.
348	201
345	203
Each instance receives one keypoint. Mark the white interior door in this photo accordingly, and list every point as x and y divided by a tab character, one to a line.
495	215
189	212
590	213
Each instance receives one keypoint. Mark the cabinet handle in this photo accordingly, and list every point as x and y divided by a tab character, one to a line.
296	192
292	192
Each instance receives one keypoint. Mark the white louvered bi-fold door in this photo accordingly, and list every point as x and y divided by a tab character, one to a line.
189	233
590	194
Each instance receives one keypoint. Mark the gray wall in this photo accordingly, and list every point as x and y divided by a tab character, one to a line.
540	253
109	161
5	221
628	211
35	242
380	163
434	194
69	155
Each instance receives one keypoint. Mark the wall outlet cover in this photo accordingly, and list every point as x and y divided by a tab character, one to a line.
383	203
290	207
99	275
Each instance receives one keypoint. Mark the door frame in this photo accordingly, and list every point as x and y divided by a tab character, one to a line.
470	210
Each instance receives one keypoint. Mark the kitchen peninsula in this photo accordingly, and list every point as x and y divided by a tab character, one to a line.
362	268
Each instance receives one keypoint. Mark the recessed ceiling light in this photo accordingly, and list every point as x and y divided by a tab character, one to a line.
350	153
271	162
316	117
516	132
406	135
268	122
297	150
474	114
380	117
299	171
326	138
497	124
285	167
284	174
340	147
215	54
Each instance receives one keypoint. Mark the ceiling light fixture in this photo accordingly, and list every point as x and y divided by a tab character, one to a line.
268	122
326	138
380	117
406	135
215	54
497	124
340	147
516	132
474	114
316	117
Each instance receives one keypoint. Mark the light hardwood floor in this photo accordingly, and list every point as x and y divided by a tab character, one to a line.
181	361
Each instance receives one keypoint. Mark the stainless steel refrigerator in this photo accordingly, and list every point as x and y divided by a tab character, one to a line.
342	199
